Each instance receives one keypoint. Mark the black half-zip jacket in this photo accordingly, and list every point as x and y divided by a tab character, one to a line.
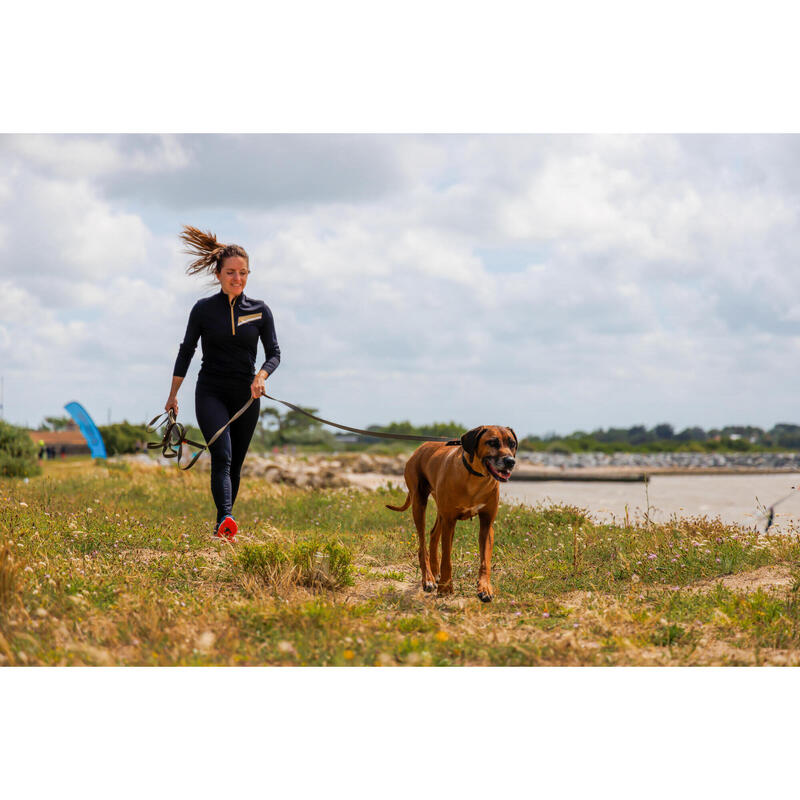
229	333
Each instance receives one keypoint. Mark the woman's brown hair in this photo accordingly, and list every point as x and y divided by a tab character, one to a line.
209	254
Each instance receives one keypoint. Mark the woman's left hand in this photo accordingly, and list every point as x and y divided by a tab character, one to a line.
257	386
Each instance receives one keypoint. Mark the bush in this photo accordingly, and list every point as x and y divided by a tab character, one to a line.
323	563
311	563
122	437
17	452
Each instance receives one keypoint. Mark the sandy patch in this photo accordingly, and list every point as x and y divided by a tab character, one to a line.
778	576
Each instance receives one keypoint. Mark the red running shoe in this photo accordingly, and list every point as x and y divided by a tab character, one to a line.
227	529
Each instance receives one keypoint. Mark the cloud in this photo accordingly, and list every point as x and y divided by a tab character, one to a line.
545	282
248	171
87	157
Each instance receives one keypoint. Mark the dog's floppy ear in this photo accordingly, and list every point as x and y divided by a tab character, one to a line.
516	441
469	441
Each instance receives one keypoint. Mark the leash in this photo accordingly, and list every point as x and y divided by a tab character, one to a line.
380	435
174	436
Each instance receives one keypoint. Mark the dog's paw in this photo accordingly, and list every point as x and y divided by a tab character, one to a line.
484	596
445	588
429	586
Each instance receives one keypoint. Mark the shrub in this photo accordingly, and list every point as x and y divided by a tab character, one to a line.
17	452
310	563
323	563
266	561
122	437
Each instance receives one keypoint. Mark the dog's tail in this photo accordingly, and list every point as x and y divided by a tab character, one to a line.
402	507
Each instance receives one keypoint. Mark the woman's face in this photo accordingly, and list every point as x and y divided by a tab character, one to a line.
233	275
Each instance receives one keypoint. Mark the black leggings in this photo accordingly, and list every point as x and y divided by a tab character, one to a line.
214	406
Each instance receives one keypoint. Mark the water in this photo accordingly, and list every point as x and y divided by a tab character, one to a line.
733	498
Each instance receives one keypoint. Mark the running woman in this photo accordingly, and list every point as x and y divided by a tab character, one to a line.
229	325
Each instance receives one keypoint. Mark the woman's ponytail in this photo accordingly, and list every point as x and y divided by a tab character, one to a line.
208	253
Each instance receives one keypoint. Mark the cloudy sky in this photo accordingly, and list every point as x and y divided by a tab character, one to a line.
546	282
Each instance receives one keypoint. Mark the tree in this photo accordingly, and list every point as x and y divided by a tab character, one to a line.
57	423
291	427
664	431
691	435
638	434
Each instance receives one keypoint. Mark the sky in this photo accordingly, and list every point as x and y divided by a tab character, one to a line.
548	282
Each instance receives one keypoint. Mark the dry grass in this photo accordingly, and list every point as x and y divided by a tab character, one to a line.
103	566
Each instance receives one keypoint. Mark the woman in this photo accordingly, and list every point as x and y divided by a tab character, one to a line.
229	324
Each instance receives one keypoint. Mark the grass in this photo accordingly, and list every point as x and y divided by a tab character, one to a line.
118	566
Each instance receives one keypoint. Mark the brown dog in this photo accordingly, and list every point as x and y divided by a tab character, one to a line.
464	482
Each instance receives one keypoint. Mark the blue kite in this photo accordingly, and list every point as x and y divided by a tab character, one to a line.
88	429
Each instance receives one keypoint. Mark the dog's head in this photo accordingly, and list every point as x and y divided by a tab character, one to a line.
495	447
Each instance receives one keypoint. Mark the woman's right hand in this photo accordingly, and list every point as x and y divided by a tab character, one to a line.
172	403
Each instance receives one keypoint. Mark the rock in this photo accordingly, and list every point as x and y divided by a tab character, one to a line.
301	479
273	474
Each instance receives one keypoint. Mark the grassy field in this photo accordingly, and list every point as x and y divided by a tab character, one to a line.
118	566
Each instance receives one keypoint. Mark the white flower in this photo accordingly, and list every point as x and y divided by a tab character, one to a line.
287	648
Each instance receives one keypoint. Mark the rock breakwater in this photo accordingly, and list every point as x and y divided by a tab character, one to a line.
684	461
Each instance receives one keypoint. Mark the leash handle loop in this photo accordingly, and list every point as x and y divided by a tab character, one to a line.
174	438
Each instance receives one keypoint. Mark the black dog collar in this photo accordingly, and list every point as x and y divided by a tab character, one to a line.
469	468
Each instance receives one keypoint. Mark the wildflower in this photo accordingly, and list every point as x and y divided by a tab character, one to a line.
546	614
441	636
287	648
651	556
349	655
24	505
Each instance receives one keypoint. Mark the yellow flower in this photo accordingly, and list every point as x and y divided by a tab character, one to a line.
441	636
349	655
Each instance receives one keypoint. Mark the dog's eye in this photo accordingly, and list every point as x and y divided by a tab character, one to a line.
493	443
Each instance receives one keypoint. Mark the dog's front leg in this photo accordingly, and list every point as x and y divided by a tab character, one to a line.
485	545
436	533
448	529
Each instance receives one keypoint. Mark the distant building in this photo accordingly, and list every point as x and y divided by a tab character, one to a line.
71	440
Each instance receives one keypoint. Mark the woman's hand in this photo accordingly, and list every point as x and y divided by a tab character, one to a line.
257	386
172	401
